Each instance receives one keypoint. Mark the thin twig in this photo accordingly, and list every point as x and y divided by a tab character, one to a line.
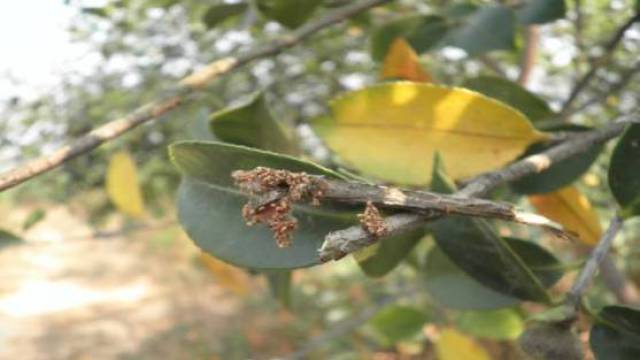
609	47
595	259
175	98
354	238
528	59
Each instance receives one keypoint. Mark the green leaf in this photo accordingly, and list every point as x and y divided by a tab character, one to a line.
385	255
221	12
251	124
290	13
102	12
34	217
623	171
395	323
503	324
383	36
559	174
448	284
512	94
490	28
428	33
616	335
540	11
476	248
8	239
209	207
280	285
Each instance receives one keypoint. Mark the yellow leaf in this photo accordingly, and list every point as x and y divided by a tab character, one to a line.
452	345
391	131
401	62
122	185
573	210
226	275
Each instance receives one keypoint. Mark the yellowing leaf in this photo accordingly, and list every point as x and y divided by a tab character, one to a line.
573	210
401	62
452	345
391	131
226	275
122	185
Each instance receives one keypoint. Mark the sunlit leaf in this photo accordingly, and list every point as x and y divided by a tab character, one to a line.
453	345
221	12
391	131
251	124
491	27
616	333
34	217
382	257
290	13
511	94
402	63
503	324
559	174
540	11
569	207
226	275
624	179
395	323
209	207
123	186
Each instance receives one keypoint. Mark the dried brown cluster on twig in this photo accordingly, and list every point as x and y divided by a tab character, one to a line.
274	192
372	222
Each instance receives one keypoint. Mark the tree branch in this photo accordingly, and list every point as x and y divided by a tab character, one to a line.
595	259
177	97
528	59
609	47
355	237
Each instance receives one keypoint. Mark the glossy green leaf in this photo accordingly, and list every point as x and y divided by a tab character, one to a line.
209	207
428	33
448	284
280	286
8	239
559	174
384	256
251	124
540	11
512	94
221	12
503	324
623	171
616	334
395	323
491	27
475	246
290	13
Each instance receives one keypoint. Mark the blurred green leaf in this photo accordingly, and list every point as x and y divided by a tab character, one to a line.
559	174
503	324
491	27
102	12
209	207
476	248
540	11
512	94
8	239
290	13
251	124
34	217
387	254
623	171
616	334
280	285
221	12
383	36
395	323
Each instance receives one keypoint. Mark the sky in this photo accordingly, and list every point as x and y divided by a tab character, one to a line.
35	46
